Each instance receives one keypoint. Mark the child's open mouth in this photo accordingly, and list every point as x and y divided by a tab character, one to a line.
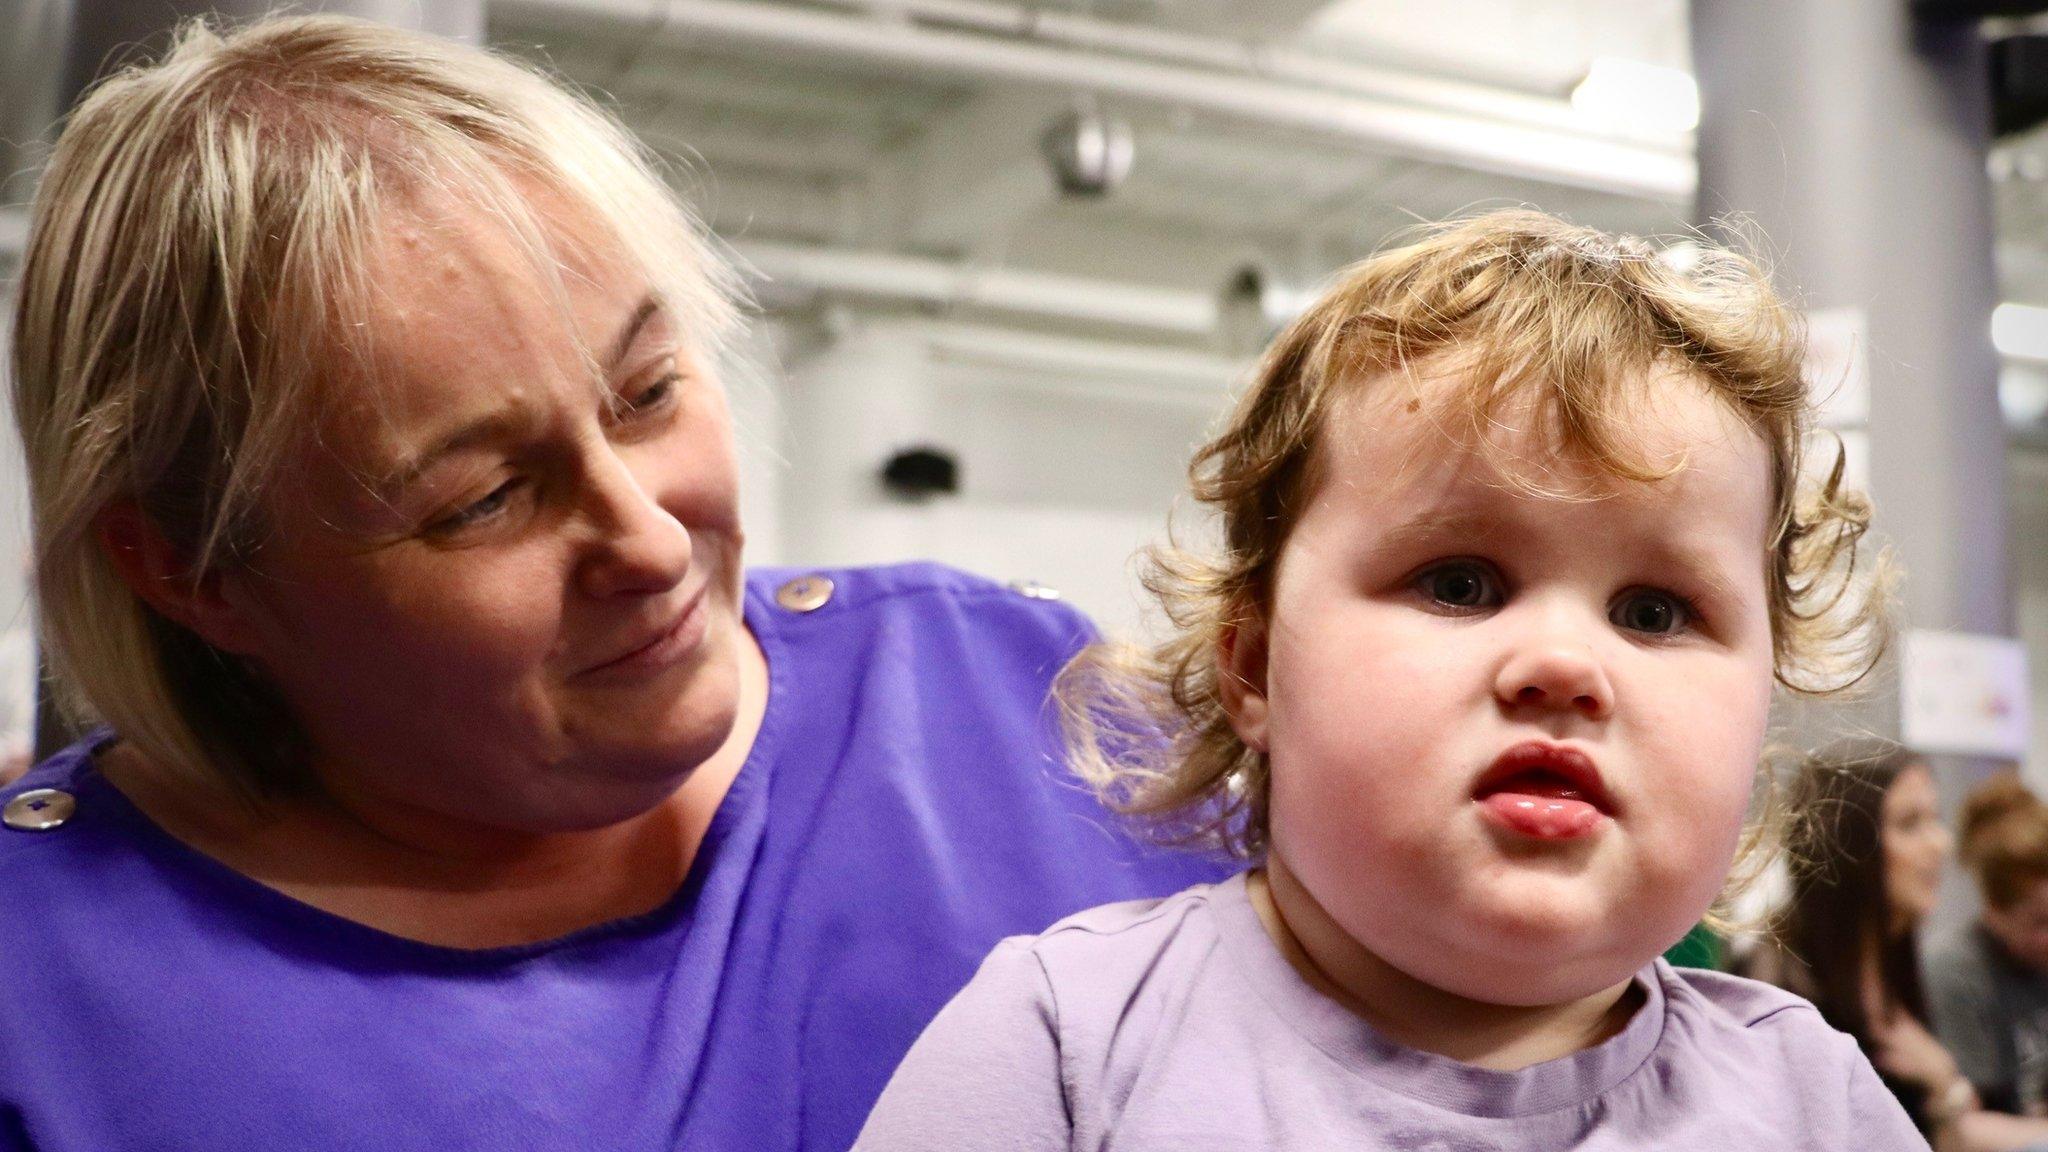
1544	791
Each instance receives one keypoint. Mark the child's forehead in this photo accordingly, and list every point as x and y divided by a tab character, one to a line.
1395	476
1530	434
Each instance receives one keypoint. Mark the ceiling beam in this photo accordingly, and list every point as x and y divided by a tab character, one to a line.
1454	137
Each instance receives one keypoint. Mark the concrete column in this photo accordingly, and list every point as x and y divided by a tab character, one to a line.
1857	141
97	35
1855	138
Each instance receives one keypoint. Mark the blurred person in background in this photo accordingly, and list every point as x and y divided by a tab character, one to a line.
1866	861
455	786
1987	982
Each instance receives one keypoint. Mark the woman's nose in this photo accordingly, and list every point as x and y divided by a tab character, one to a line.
1553	672
640	547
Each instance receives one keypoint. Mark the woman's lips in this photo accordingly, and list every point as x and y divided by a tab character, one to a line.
1544	791
668	647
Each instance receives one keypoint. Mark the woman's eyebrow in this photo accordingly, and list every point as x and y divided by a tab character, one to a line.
623	342
490	428
502	425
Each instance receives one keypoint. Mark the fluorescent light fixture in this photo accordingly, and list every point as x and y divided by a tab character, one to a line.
2020	331
1638	99
2023	395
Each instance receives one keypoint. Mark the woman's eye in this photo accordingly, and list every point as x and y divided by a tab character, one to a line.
653	397
488	508
1651	612
1462	586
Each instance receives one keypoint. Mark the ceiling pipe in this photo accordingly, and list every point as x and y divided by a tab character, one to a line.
888	276
1461	139
1268	60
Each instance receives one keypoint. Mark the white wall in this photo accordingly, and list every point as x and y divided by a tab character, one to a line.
17	649
1071	453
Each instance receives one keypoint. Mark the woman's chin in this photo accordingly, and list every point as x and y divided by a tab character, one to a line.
667	739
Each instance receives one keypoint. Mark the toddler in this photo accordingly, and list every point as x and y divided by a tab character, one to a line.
1514	549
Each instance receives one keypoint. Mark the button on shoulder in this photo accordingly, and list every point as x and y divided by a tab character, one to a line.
39	810
805	593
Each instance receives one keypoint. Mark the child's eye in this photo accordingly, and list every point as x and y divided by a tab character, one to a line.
1464	585
1651	612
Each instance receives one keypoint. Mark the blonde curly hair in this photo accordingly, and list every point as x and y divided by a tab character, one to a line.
1566	319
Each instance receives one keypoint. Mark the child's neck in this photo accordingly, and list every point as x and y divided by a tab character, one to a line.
1417	1015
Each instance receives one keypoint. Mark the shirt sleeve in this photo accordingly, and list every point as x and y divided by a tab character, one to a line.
985	1075
1967	1019
1877	1121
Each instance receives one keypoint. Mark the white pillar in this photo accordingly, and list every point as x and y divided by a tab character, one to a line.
1855	137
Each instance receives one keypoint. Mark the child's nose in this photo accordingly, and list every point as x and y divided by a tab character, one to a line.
1556	674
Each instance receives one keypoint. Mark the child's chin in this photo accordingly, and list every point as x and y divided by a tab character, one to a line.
1529	962
1531	982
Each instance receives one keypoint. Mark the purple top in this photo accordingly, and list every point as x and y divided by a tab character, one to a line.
1177	1025
899	814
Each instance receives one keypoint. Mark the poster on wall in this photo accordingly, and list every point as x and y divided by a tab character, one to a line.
1963	694
1837	372
1837	365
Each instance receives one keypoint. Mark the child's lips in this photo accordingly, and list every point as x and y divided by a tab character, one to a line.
1544	791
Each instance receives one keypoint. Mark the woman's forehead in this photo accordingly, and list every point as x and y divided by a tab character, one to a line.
468	316
521	229
1912	789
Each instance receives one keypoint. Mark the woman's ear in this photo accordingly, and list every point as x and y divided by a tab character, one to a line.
158	572
1241	678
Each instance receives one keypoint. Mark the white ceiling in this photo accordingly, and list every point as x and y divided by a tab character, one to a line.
1304	135
1535	45
790	143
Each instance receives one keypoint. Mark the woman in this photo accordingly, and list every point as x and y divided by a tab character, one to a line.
1987	982
457	787
1866	870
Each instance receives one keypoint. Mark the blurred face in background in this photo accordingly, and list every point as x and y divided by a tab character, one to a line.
1916	846
2023	928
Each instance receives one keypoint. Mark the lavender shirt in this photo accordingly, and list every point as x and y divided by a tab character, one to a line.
1176	1024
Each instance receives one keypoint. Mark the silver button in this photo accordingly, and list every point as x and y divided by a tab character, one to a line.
38	810
805	593
1034	590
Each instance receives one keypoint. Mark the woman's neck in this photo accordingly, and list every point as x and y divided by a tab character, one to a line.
1418	1015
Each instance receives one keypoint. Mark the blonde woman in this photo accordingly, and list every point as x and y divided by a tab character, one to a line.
455	786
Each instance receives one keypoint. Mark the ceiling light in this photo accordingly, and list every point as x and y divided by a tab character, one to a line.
1637	99
2020	330
1090	152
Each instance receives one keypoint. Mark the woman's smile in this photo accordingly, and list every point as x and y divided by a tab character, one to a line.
672	645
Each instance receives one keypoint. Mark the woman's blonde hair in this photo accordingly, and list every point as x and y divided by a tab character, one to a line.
194	288
1568	319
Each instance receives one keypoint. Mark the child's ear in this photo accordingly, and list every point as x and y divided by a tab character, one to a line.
158	572
1241	678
